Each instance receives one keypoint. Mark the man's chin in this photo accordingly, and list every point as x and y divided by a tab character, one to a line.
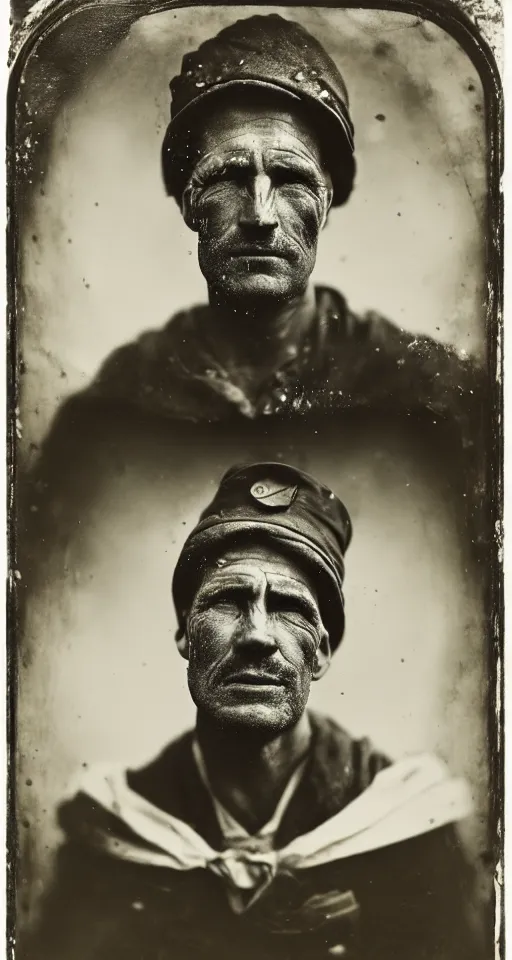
250	290
261	718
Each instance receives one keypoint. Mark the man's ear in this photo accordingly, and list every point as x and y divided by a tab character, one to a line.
323	657
326	219
188	204
182	643
328	198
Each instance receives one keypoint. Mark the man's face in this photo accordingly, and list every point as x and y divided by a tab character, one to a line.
258	198
255	641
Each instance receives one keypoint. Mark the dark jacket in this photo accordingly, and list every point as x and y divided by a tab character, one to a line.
344	361
409	901
165	392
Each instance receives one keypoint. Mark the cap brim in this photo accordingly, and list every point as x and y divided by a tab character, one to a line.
343	141
197	554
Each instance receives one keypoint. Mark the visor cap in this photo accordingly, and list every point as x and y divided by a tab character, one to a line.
284	507
271	53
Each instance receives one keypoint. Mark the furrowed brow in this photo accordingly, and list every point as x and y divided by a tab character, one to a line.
302	601
226	583
213	165
289	160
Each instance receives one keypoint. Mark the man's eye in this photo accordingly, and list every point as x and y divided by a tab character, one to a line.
287	176
224	598
229	174
289	605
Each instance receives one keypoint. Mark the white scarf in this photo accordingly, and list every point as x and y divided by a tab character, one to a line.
411	797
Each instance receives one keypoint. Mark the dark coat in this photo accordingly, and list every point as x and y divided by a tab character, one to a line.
410	901
159	400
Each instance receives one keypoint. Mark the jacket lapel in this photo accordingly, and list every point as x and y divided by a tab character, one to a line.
338	770
172	783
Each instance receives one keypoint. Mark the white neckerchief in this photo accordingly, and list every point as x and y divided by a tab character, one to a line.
233	832
236	837
407	799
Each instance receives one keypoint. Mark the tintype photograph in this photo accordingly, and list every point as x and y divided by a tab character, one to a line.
255	611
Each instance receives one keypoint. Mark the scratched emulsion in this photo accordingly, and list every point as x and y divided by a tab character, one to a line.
104	256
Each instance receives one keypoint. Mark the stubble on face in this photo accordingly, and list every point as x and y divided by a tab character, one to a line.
254	631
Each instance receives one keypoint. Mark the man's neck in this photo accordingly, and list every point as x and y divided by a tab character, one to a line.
248	773
258	340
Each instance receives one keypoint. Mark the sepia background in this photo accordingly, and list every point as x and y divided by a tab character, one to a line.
104	256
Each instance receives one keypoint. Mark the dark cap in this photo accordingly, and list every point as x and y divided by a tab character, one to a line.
271	53
284	507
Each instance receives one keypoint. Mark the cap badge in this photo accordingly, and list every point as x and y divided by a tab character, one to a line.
273	495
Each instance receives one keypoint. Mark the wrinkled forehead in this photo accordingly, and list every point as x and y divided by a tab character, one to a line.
261	564
258	119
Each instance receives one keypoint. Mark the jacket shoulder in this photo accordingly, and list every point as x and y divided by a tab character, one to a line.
361	759
159	781
154	353
372	361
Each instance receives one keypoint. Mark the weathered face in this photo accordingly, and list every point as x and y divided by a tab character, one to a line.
258	198
254	641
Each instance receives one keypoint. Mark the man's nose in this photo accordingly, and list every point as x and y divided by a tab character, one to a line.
255	632
259	208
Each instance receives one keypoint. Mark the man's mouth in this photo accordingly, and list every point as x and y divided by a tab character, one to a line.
257	253
248	678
